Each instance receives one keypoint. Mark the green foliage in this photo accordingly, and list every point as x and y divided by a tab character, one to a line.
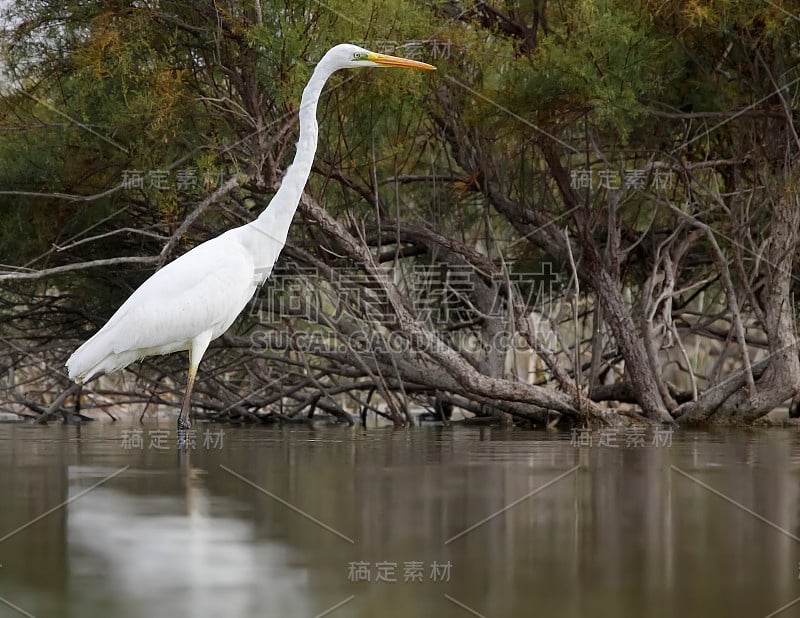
114	87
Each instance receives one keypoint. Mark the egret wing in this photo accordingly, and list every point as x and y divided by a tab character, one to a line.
205	289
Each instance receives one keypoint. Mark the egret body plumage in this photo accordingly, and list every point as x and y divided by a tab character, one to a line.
195	299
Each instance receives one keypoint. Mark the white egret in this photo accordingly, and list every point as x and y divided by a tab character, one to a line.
195	298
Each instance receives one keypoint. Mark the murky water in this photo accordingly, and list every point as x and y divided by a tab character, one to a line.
111	520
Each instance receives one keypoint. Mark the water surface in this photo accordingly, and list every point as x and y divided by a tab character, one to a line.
115	520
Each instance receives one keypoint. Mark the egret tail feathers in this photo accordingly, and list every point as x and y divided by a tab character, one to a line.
97	356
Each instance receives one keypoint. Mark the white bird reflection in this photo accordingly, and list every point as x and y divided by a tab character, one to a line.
159	556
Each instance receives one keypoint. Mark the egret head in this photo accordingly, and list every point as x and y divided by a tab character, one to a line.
346	56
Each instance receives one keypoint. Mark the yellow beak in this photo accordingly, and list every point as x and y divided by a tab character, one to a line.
394	61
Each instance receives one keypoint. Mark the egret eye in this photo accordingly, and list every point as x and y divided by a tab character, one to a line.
359	56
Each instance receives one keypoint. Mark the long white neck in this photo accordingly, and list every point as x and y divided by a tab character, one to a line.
272	226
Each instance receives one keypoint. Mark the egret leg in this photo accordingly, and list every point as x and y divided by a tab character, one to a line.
184	421
196	351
